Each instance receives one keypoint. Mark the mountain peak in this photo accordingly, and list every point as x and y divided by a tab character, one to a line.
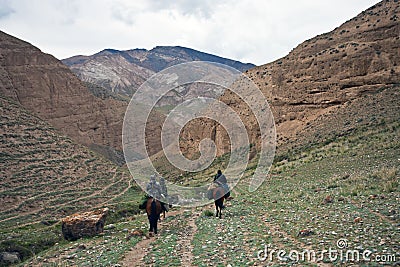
107	51
124	71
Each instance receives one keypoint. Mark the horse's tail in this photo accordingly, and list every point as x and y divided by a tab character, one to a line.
153	214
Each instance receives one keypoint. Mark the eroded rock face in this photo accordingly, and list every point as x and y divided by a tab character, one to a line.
45	86
354	60
86	224
327	73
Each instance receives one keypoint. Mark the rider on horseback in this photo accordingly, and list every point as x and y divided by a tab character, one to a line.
163	187
221	180
164	192
154	190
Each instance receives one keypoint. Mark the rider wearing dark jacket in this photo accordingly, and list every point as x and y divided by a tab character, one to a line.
221	180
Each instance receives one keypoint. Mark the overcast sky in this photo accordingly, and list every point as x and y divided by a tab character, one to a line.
256	31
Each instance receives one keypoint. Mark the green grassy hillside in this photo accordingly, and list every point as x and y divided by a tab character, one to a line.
46	176
341	189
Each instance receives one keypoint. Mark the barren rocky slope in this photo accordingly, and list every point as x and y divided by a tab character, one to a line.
44	85
330	72
124	71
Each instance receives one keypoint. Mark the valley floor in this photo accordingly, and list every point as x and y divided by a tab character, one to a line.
333	205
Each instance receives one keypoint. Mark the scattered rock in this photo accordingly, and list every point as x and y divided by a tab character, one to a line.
328	199
305	232
86	224
109	227
345	176
81	247
70	257
134	233
360	247
9	258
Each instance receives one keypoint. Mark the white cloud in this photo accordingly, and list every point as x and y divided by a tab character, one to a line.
5	9
250	31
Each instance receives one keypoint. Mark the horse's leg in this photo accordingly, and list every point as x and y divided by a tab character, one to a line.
163	216
155	226
151	225
220	207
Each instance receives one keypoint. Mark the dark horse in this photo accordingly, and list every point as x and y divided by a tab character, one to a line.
153	210
218	194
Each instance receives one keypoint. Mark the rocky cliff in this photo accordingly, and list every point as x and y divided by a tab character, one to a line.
329	74
332	69
44	85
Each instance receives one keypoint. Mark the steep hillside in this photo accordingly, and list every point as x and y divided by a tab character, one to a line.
124	71
45	176
333	73
44	85
331	70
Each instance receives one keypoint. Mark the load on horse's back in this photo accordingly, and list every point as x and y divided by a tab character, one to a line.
220	180
164	192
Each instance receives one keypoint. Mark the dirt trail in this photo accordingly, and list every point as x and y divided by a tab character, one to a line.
185	241
135	256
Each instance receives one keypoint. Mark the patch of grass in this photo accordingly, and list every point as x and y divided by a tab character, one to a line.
385	173
208	213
